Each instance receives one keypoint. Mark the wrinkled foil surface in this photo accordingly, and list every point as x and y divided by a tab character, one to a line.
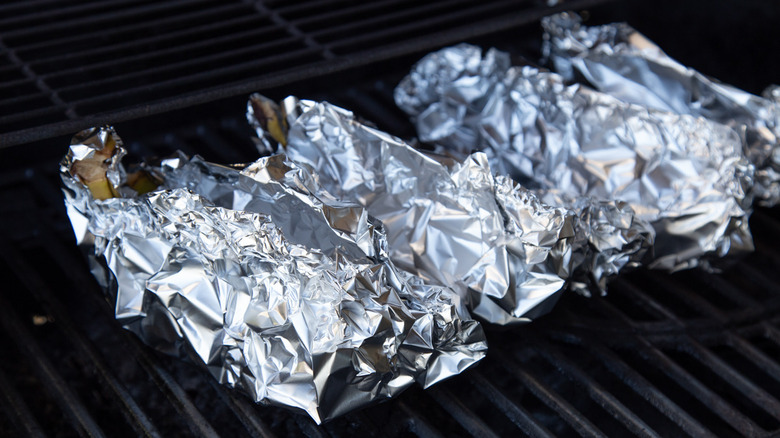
685	175
454	223
618	60
290	299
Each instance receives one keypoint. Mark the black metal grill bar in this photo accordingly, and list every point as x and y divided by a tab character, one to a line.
9	7
402	27
157	87
755	394
685	380
101	21
40	83
136	45
696	388
116	32
753	354
310	8
728	290
61	393
351	27
461	413
374	8
550	398
416	424
133	67
245	413
189	64
242	79
40	16
53	110
648	391
17	410
176	395
758	277
597	392
10	85
519	416
292	29
308	428
88	354
14	103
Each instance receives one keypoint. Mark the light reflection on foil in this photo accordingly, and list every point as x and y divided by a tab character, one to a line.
455	223
685	175
290	299
618	60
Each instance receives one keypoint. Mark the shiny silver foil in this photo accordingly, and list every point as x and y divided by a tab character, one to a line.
454	222
618	60
286	297
685	175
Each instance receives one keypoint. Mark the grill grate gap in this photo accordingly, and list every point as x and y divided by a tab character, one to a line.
658	377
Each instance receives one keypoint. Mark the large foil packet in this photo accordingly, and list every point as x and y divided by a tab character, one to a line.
618	60
288	298
453	223
686	175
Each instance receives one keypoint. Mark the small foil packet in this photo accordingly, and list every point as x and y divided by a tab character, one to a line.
618	60
289	298
452	222
685	175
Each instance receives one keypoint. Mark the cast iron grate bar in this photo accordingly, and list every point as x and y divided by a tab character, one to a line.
649	392
92	90
461	413
691	384
59	390
15	407
88	356
515	413
550	398
292	29
602	346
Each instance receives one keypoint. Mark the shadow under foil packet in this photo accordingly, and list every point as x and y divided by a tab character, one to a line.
289	298
618	60
453	223
686	176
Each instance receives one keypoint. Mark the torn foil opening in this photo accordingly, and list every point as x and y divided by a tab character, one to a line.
618	60
685	175
289	298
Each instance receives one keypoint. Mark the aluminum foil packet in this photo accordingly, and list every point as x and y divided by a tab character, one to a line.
451	222
289	298
618	60
685	175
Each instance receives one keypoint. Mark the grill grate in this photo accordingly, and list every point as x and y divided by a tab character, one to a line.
691	353
688	354
67	66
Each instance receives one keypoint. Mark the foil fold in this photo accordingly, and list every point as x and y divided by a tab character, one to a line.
618	60
284	296
453	222
685	175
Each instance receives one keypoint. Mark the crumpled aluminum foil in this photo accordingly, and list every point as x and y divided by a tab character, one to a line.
288	298
685	175
453	223
618	60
